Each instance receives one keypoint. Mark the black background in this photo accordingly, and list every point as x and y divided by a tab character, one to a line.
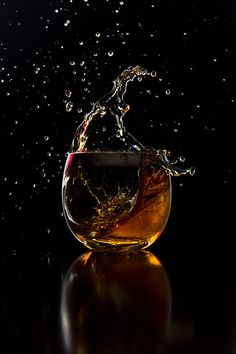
47	47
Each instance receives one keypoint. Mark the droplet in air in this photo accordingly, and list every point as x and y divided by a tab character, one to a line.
69	106
67	23
36	71
153	73
68	93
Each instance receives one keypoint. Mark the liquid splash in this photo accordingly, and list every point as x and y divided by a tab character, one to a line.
100	132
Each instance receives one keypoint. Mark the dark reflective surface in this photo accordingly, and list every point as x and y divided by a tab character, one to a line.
116	303
66	303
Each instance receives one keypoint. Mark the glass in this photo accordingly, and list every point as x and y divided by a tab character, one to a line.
115	200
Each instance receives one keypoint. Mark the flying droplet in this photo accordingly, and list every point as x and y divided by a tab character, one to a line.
67	23
153	73
69	106
68	93
36	71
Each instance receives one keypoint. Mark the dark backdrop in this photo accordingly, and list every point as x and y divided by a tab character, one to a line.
48	47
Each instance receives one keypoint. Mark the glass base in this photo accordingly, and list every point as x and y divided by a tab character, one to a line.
115	244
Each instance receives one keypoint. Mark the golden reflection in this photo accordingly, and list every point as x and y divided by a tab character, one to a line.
115	303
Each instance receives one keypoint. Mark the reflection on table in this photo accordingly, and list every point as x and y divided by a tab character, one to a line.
116	303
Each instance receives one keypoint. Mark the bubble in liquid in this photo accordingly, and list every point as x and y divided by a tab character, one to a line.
98	34
110	53
72	62
46	138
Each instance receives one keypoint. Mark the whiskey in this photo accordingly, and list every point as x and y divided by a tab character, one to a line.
116	200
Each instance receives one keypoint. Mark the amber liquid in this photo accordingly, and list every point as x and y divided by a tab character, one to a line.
115	200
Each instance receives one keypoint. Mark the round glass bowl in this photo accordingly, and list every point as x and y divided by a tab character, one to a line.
115	200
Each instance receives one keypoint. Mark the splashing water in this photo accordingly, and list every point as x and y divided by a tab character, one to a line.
100	132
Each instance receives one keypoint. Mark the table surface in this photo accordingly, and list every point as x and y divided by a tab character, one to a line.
139	302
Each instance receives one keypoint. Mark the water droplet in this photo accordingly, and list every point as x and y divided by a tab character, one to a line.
56	10
67	23
98	34
79	110
82	63
36	71
49	154
104	129
72	62
46	138
110	53
69	106
192	171
68	93
153	73
81	42
168	92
